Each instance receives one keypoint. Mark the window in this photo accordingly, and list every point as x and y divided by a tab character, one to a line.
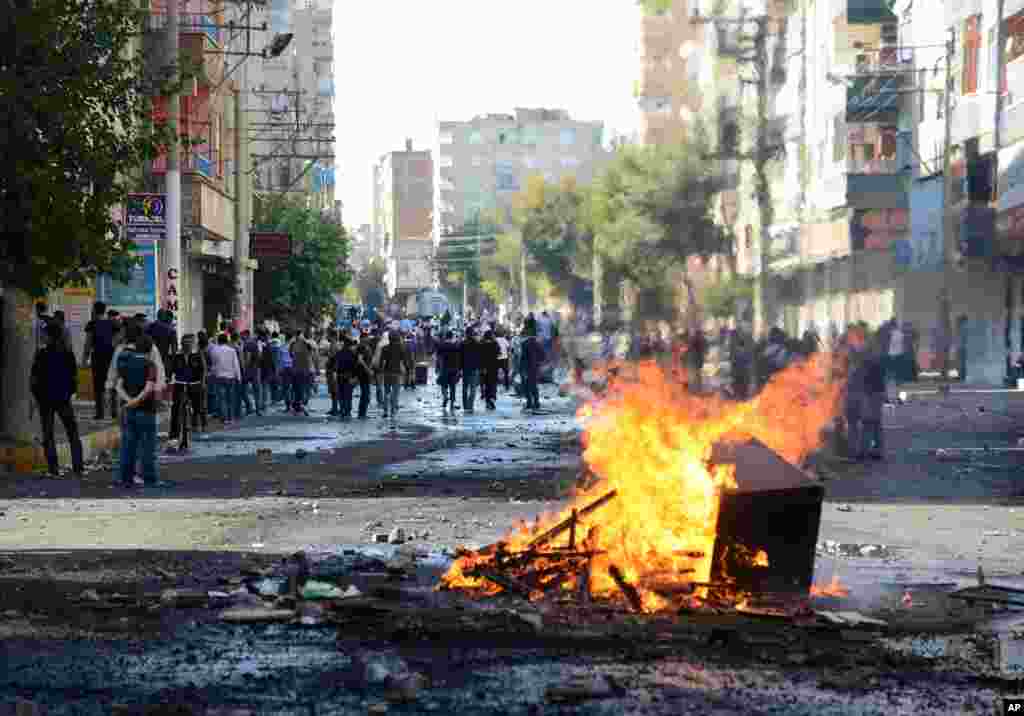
567	137
569	162
888	143
447	138
869	152
446	161
839	138
598	136
972	49
505	176
528	135
475	137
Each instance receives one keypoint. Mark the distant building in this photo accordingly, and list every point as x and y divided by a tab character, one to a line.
403	198
484	162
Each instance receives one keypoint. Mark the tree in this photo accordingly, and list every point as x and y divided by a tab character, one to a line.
724	298
652	209
303	289
555	224
76	106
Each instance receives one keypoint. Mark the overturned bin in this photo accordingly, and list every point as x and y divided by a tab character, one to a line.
776	508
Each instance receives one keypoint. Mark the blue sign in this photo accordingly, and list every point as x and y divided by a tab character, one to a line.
139	291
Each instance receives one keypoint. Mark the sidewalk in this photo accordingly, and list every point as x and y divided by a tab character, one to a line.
97	436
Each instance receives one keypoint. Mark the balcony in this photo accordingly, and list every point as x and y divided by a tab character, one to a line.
197	161
205	206
872	166
192	23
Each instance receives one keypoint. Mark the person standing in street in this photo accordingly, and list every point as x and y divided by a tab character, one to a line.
489	360
225	374
471	360
304	370
394	362
54	381
329	350
188	379
531	359
504	357
344	367
165	338
364	357
99	353
251	374
137	385
449	363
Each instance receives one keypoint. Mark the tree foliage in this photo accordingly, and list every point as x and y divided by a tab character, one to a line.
556	228
652	209
724	298
303	288
76	113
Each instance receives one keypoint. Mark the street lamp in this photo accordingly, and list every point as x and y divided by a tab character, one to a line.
278	45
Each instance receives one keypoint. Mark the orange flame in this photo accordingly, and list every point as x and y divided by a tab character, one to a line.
651	441
832	589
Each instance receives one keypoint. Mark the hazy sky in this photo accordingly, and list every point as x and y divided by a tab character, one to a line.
401	66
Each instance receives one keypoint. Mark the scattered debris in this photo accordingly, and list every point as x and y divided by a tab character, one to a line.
381	538
583	689
184	599
397	536
991	594
251	615
853	619
90	595
321	590
844	508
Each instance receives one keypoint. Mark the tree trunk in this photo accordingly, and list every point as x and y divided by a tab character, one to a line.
17	411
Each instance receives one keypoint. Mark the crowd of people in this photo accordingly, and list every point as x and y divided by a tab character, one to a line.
137	366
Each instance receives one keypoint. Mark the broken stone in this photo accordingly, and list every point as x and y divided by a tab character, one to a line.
376	709
311	614
253	615
184	599
844	508
397	536
28	708
406	688
582	689
165	574
90	595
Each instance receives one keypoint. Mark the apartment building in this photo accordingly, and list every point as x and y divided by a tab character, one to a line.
484	162
672	57
290	103
862	223
403	204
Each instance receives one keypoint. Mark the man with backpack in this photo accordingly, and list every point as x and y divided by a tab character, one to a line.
137	386
251	373
99	352
54	380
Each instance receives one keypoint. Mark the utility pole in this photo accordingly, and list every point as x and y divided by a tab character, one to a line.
171	264
997	141
525	298
762	154
946	301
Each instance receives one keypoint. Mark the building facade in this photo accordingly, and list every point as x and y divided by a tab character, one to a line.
291	103
863	223
484	162
403	221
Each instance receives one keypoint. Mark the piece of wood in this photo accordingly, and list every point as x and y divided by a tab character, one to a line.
505	582
569	521
991	594
632	595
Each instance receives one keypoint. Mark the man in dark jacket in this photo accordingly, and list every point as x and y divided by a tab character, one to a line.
449	363
472	362
531	357
165	338
393	362
54	381
187	376
344	366
99	352
490	353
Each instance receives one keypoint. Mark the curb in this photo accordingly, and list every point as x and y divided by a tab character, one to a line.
29	458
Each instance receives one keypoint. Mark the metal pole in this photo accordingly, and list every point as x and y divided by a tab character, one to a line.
761	178
946	302
525	300
997	141
242	193
172	243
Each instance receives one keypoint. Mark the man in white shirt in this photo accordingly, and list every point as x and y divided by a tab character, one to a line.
504	357
225	375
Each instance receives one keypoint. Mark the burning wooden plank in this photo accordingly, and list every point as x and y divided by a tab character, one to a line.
570	522
627	589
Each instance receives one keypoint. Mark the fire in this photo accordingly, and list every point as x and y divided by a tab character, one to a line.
832	589
649	442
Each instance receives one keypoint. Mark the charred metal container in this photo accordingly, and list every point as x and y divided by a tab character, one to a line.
776	508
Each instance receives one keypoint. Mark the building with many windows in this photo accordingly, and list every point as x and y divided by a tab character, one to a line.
403	200
482	163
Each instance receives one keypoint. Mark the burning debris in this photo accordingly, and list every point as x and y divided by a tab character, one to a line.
697	500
